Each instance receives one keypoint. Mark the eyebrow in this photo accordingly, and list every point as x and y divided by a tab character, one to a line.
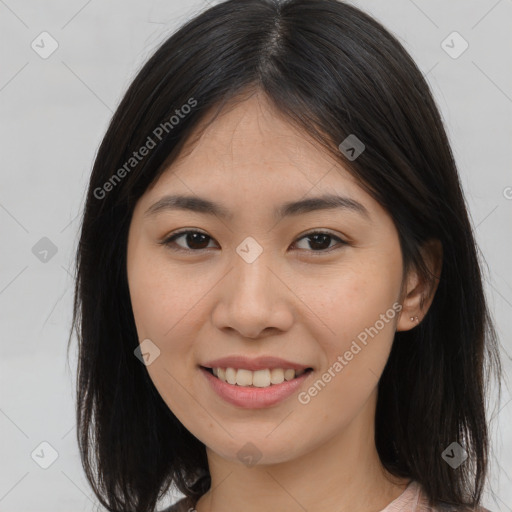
292	208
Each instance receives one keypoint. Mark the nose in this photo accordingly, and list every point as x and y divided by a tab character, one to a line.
254	300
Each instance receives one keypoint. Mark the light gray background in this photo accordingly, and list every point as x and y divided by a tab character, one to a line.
54	113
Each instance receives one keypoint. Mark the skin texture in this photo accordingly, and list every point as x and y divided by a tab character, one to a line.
294	301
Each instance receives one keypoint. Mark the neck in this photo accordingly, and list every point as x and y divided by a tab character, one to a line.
344	474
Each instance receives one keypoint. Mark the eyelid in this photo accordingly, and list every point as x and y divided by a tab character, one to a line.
166	241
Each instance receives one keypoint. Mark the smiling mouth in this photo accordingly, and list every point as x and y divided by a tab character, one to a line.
255	379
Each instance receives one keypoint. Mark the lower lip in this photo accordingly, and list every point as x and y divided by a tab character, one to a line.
253	397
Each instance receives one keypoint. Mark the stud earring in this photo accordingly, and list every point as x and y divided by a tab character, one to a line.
413	318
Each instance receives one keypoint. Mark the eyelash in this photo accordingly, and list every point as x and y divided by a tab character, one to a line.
170	241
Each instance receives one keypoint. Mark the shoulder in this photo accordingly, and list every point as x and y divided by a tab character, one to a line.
422	505
183	505
415	499
453	508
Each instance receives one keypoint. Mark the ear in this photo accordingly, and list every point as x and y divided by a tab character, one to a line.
418	294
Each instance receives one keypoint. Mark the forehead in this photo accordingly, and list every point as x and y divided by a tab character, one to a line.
250	140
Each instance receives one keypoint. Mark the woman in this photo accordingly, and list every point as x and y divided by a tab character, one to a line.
279	303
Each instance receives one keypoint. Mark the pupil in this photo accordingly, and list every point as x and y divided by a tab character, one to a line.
325	237
193	235
324	244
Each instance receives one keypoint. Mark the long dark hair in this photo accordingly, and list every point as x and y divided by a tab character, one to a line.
333	71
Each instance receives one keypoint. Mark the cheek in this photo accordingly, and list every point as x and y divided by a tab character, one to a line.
356	331
163	296
354	300
355	349
163	301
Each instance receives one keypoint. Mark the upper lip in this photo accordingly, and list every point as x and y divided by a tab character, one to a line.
257	363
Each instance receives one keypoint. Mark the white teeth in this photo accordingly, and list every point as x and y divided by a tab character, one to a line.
261	378
276	375
289	374
244	377
231	375
258	378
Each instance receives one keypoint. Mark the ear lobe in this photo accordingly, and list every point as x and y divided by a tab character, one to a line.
419	292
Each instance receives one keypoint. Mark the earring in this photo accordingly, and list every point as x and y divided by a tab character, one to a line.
413	318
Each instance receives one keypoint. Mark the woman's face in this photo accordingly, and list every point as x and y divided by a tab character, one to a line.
254	285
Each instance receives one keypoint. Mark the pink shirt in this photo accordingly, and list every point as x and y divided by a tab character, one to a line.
412	499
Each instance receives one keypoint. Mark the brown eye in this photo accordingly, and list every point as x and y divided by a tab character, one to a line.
195	240
319	241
